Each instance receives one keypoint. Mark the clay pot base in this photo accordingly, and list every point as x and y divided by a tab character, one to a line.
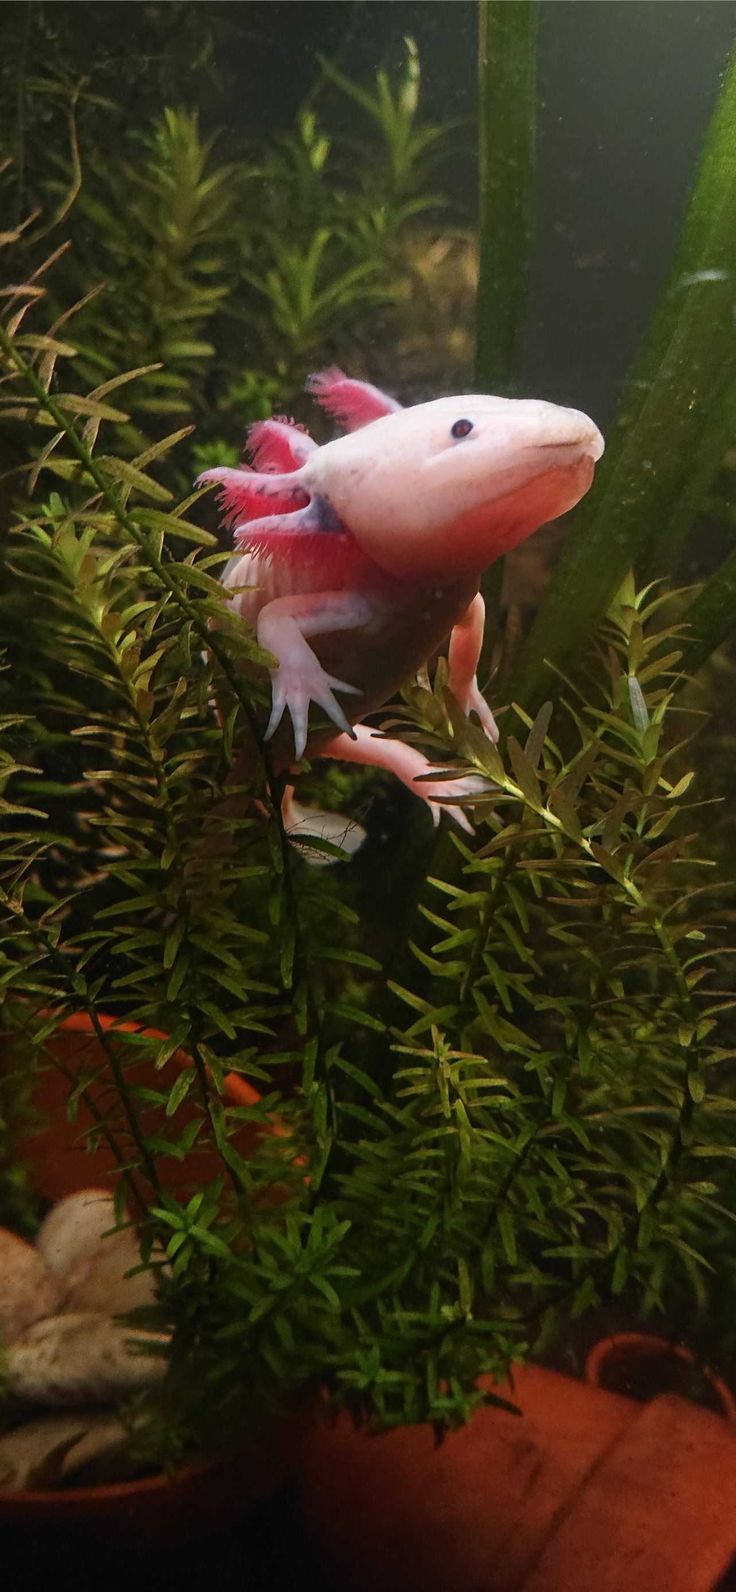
154	1512
586	1491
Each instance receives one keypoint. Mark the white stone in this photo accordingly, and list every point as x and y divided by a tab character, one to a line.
80	1242
42	1453
28	1290
82	1359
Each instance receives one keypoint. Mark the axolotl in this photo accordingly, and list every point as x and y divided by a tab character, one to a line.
357	560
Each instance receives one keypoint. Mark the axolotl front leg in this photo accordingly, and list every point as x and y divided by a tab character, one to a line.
299	679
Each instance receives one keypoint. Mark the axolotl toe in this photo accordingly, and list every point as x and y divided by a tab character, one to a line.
357	560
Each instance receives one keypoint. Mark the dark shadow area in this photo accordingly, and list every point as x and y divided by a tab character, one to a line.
268	1552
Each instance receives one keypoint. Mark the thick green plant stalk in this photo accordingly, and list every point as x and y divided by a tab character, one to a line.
507	86
669	438
506	148
710	618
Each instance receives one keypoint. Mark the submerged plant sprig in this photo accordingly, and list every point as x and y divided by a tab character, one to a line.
223	280
569	959
125	627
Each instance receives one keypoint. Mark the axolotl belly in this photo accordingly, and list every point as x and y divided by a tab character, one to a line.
372	553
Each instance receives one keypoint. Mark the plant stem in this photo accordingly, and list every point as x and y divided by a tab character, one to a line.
167	575
21	90
711	617
507	52
115	1149
507	61
79	996
161	782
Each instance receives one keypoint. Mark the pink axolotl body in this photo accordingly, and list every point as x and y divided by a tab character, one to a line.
373	551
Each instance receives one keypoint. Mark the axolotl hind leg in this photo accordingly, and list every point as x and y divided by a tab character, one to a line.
374	750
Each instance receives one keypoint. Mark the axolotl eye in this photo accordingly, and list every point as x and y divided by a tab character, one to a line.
461	428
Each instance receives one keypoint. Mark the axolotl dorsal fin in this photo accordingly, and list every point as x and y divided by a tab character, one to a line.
351	403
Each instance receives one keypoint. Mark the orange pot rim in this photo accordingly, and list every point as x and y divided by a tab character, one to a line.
653	1344
237	1089
60	1498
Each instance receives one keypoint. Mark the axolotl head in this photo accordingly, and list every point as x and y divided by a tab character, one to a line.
452	484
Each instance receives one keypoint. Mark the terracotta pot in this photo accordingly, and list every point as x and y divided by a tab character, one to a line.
139	1517
640	1364
57	1152
155	1511
585	1491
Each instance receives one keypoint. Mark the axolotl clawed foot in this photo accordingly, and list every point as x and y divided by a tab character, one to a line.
438	794
421	777
299	677
473	701
295	684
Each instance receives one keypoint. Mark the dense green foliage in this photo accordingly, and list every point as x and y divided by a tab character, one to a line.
549	1121
230	279
457	1131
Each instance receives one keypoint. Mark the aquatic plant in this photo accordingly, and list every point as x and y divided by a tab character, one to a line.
227	279
520	1112
68	78
162	224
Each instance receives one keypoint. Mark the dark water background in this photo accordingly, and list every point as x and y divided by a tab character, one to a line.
626	89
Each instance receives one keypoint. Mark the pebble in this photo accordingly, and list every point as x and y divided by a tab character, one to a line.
28	1290
81	1244
44	1453
82	1359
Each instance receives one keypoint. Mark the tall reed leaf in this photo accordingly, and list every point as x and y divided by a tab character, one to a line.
710	619
506	149
507	73
674	424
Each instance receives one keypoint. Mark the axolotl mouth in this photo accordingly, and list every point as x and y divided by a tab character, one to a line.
572	462
520	500
577	436
574	452
594	447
